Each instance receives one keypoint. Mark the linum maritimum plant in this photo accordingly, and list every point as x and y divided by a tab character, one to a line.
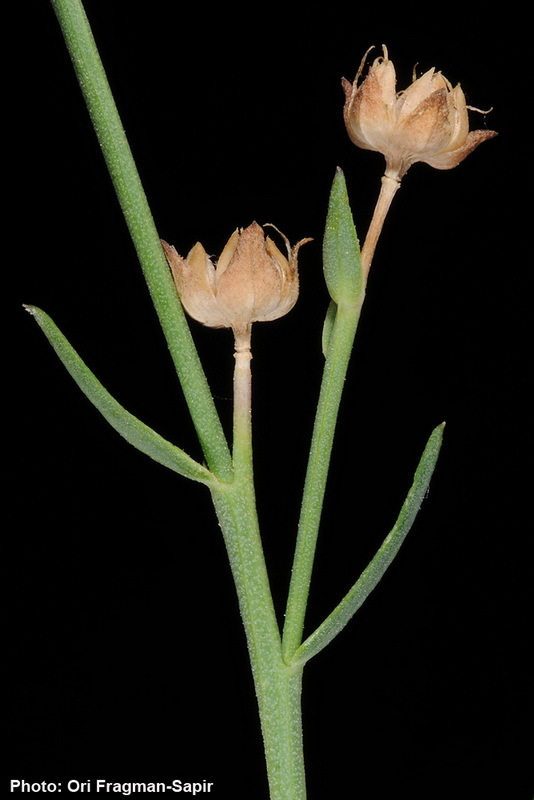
256	280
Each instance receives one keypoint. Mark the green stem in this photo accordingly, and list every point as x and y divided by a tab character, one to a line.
277	685
337	359
119	159
346	271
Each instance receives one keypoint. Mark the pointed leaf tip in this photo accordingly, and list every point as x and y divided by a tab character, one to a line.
341	248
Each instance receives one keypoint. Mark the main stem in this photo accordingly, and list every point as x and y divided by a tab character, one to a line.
130	193
278	686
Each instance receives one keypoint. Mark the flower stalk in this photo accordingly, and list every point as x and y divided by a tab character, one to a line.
388	189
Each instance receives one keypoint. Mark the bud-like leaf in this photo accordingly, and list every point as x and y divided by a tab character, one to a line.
341	248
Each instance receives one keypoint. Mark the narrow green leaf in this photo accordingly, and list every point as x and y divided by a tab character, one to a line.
372	574
133	430
341	248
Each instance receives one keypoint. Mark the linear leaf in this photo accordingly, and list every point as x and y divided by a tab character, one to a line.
372	574
130	428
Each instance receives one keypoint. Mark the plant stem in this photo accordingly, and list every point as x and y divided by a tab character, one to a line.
131	196
278	686
242	447
338	352
337	359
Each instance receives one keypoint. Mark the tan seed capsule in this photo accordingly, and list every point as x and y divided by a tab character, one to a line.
253	281
426	122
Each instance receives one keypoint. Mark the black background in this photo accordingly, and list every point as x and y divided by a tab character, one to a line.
127	657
